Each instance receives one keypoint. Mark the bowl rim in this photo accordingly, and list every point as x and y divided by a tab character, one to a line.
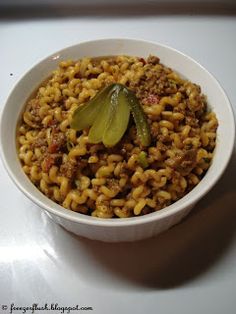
170	210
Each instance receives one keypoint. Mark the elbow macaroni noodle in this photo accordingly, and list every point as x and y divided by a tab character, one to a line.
105	183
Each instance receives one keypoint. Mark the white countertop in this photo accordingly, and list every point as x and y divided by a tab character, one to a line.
188	269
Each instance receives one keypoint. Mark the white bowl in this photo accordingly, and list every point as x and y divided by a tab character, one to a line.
126	229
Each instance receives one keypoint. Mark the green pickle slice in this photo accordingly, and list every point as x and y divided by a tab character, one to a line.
85	115
97	130
118	122
139	119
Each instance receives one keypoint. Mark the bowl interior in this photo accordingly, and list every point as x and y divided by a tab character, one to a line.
181	63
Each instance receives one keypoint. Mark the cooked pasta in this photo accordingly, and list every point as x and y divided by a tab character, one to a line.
116	182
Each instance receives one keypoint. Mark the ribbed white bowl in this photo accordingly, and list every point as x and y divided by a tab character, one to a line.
128	229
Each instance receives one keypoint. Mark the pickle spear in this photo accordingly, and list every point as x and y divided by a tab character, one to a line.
119	120
104	116
139	119
85	115
96	131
